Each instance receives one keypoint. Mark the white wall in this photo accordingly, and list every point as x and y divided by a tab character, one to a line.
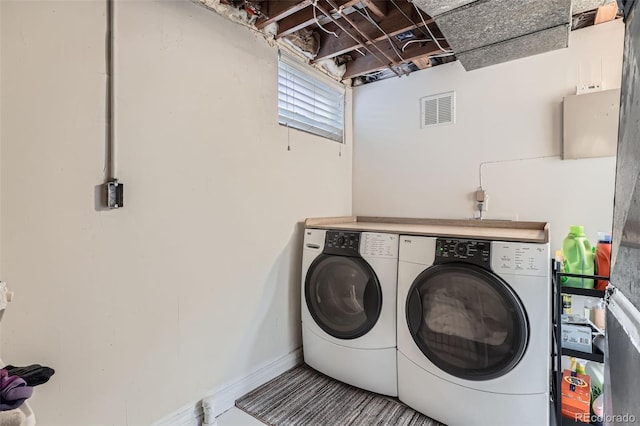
504	112
195	281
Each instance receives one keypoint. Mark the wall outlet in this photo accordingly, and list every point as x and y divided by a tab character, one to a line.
481	200
588	88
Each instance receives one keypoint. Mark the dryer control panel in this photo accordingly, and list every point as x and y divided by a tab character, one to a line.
457	250
342	243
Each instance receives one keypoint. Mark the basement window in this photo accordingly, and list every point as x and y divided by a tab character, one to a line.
307	103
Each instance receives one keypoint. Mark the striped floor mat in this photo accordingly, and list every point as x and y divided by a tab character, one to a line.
302	396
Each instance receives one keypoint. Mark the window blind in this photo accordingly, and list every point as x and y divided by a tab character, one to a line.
306	103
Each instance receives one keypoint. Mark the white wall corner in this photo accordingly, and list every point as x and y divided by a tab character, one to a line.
223	397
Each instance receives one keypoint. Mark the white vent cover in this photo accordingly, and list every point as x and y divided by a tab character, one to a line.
438	109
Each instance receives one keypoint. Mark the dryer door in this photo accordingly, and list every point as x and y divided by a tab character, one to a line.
343	295
467	321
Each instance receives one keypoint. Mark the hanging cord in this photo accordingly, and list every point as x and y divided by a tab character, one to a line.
286	93
373	74
356	39
315	18
442	55
345	17
287	123
344	128
425	40
409	19
430	33
372	21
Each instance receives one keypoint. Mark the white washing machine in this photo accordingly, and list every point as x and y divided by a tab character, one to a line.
474	330
349	284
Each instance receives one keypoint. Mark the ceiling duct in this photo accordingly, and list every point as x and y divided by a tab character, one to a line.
488	32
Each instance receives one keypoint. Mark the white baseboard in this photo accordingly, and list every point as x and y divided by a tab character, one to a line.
223	397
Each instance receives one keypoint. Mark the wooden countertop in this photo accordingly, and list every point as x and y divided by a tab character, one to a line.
498	230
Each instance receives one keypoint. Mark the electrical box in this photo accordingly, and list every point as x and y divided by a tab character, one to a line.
591	125
115	194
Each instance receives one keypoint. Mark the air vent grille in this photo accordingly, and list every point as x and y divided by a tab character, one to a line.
438	109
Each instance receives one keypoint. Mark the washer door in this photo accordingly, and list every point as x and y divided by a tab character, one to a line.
467	321
343	295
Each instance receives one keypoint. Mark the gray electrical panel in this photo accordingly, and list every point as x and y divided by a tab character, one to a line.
591	124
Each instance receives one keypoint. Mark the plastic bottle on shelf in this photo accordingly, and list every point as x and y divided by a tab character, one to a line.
603	259
559	261
595	371
566	304
588	309
599	315
578	258
598	408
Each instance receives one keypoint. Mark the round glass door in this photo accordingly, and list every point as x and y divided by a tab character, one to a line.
343	295
467	321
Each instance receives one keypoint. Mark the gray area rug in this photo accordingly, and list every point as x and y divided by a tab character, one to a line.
302	396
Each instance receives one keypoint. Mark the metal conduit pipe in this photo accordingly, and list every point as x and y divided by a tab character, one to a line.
354	25
110	167
360	43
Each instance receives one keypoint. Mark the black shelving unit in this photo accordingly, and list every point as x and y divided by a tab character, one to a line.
596	356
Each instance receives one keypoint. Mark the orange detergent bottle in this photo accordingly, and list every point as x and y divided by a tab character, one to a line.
603	259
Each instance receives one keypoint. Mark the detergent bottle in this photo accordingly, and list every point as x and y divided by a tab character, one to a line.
595	371
603	259
578	258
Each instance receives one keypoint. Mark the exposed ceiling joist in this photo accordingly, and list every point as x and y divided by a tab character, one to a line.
377	7
368	64
276	10
348	26
364	37
307	17
393	24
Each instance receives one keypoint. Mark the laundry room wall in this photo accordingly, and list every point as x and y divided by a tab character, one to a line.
195	282
505	112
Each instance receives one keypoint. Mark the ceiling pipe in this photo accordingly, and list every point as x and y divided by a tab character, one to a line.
360	43
355	26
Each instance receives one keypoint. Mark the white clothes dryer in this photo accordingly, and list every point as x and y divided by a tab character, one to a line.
474	330
349	284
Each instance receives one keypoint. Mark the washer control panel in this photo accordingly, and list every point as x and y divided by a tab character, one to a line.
343	243
521	258
457	250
